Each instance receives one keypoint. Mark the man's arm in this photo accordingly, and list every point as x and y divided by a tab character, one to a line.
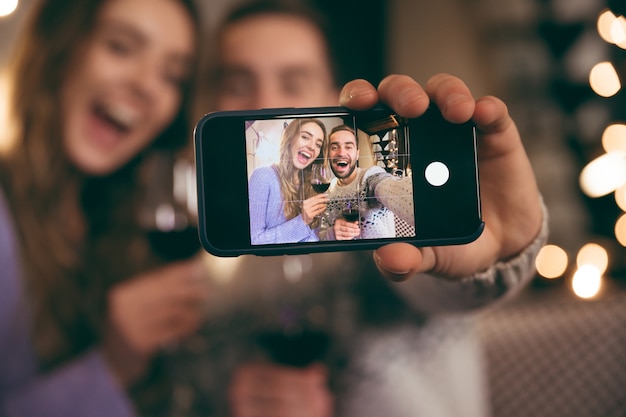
432	294
394	193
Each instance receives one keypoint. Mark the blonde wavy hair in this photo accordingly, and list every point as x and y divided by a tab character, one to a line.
294	193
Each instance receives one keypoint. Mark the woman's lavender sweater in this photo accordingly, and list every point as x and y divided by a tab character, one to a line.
83	387
267	215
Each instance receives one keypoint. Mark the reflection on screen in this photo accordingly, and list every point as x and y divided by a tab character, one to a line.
328	178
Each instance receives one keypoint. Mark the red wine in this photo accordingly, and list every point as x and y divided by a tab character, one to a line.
350	215
176	244
298	349
321	187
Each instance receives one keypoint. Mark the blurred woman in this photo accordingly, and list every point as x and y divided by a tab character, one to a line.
283	204
84	306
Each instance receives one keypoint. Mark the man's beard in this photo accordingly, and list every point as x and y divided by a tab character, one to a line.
352	167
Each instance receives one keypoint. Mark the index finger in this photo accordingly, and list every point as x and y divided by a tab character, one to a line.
452	96
358	95
400	92
404	95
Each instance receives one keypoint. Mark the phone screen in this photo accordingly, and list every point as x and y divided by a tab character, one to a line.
363	170
309	180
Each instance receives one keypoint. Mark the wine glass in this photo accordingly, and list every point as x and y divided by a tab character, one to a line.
320	181
350	211
167	209
296	344
320	177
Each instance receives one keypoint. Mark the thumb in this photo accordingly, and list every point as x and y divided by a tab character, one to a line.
400	261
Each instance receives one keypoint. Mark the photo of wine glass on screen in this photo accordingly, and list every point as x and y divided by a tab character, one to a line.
320	176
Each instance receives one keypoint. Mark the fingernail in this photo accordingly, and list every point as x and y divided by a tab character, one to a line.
355	93
379	262
409	96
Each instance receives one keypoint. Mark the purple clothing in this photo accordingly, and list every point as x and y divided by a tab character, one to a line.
267	216
83	387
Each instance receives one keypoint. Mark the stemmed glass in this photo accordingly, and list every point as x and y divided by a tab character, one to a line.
320	181
320	176
350	211
167	208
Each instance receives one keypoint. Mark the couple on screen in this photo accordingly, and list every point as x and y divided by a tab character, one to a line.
284	207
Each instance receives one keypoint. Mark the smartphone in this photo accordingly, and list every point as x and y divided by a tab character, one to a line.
386	179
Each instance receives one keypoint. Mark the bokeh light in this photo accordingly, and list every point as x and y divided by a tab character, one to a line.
605	22
221	270
604	79
593	254
551	262
620	197
6	132
7	7
618	30
604	174
614	138
620	230
587	281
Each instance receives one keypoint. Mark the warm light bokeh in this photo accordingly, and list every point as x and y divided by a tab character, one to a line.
7	7
620	230
604	174
618	30
6	131
614	138
587	281
605	22
551	261
620	197
604	79
593	254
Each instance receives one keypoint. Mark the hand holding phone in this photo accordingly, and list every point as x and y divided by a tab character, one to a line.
412	180
510	198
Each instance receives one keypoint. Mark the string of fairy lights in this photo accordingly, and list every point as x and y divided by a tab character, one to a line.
602	176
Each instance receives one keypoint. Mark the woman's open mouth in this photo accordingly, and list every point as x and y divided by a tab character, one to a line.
120	117
111	122
304	157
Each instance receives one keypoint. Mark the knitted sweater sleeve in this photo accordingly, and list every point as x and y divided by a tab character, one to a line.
432	294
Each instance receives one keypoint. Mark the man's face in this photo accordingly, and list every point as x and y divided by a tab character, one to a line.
273	60
343	153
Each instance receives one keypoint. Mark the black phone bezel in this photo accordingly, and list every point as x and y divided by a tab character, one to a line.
453	217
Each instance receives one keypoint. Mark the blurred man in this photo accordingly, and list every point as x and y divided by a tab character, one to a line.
396	349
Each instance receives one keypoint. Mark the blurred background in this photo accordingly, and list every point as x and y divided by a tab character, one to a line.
539	55
558	64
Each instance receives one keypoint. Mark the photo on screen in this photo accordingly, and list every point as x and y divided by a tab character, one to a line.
329	178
